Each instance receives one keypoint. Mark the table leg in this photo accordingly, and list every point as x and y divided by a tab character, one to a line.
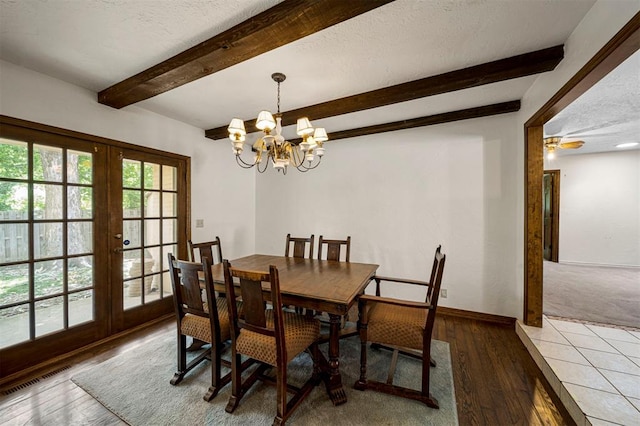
334	382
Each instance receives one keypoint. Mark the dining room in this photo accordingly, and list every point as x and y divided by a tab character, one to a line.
452	174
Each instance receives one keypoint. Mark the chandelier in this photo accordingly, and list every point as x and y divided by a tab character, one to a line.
273	146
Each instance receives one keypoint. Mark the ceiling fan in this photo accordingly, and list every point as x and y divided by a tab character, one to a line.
555	142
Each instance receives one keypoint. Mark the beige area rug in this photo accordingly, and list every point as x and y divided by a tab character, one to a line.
135	386
593	294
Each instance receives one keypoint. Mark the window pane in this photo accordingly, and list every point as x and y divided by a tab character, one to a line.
80	237
152	204
167	288
79	167
14	242
47	239
151	176
131	233
131	204
169	204
14	202
152	232
130	174
47	163
48	277
47	201
169	178
173	249
170	231
80	272
129	258
80	307
49	315
14	284
79	202
14	325
14	164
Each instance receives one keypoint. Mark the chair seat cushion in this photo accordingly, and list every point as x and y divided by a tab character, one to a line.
199	327
299	333
396	325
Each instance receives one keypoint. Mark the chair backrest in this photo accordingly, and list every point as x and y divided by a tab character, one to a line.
254	303
333	248
299	246
433	273
210	249
186	282
438	268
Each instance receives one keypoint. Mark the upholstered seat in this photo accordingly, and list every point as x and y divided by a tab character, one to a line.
396	325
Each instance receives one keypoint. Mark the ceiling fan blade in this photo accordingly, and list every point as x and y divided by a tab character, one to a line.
571	145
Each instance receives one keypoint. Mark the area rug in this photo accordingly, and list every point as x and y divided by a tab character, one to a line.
134	385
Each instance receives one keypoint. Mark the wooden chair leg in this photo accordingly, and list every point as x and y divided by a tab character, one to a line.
182	359
281	392
236	384
361	384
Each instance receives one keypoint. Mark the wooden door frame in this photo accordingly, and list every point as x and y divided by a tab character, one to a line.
617	50
555	212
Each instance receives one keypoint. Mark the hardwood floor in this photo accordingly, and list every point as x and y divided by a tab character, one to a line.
496	381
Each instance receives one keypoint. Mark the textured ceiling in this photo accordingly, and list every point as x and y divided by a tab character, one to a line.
97	43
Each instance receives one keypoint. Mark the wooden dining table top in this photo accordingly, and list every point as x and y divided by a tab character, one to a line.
323	285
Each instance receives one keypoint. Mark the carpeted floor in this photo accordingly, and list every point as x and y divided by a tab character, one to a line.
597	294
135	386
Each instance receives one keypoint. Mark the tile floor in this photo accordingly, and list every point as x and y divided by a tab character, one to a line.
594	370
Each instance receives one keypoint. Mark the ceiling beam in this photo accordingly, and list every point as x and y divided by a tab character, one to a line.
284	23
430	120
491	72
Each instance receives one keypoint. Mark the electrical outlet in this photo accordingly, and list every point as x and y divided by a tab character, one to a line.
443	293
199	223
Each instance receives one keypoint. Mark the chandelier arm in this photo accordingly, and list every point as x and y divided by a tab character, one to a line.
243	163
266	164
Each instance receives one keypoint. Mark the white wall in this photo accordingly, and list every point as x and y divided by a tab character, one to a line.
599	208
216	181
401	194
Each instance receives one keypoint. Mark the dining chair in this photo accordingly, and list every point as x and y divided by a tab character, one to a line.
270	335
334	252
206	321
400	324
210	249
333	248
299	246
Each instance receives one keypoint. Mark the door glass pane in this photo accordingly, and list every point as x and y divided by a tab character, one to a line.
49	315
167	287
80	237
151	176
14	205
79	167
14	284
169	204
152	204
15	325
80	272
14	242
132	233
170	231
130	173
48	278
131	203
152	232
14	164
169	178
47	201
79	202
48	239
80	307
47	163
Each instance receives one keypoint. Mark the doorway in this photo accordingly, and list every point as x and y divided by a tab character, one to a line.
616	51
84	225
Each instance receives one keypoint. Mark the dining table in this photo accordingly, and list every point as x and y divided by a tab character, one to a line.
319	285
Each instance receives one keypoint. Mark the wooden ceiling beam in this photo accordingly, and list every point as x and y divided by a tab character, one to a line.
491	72
284	23
430	120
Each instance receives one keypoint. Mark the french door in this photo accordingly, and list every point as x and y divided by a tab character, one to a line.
85	226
